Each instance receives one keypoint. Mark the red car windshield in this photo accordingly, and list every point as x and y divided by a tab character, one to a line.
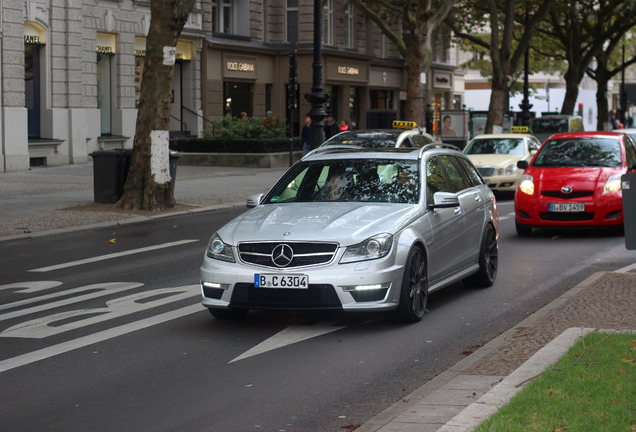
580	152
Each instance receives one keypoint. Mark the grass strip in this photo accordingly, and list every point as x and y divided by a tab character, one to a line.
591	388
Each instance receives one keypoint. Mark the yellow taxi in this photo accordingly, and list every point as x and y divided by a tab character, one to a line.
496	155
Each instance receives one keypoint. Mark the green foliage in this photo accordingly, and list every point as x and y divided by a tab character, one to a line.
592	388
254	127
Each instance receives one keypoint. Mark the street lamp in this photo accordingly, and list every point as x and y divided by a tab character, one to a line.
317	97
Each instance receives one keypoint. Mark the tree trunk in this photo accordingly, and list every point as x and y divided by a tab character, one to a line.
416	91
602	77
149	186
572	79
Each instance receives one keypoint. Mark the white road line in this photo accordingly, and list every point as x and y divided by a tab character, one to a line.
98	290
64	347
111	256
289	336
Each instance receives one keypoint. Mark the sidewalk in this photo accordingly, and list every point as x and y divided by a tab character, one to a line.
45	200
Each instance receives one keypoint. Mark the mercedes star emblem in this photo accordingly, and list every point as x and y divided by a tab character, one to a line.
282	255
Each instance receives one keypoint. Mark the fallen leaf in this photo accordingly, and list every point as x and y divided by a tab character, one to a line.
174	226
468	352
350	426
627	360
550	394
561	429
534	416
111	240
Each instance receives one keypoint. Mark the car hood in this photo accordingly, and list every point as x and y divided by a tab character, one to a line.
494	160
343	222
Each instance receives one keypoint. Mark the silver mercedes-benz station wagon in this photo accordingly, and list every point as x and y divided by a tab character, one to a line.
356	230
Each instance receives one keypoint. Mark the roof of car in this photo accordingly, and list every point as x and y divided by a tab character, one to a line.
343	152
584	134
503	135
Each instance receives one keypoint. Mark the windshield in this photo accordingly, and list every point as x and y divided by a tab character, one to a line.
511	146
549	125
372	139
580	152
361	180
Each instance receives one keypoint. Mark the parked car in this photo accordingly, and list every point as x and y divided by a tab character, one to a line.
496	155
574	180
356	230
544	126
403	134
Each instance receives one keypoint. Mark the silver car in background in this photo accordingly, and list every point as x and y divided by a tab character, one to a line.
356	230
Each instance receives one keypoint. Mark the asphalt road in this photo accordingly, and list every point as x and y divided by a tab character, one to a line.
102	330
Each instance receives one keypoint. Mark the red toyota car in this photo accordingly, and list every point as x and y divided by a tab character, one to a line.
574	180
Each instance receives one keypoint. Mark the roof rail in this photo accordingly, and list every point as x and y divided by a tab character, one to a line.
440	145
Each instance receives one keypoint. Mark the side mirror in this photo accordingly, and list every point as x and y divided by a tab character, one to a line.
254	200
445	200
522	164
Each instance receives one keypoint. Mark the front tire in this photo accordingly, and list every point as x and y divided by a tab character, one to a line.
414	290
488	260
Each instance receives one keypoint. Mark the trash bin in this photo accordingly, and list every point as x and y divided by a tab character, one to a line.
110	170
174	160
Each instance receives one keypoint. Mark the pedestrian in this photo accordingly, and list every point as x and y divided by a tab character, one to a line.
331	128
306	135
343	126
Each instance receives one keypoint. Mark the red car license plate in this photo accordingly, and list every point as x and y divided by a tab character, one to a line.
566	207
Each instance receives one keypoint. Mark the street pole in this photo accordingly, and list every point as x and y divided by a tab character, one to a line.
623	95
292	90
317	97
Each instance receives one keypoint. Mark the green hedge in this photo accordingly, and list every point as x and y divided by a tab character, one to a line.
233	145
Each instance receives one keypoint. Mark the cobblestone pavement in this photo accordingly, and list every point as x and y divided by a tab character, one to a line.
607	302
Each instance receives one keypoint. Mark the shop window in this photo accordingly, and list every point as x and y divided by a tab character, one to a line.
349	28
292	21
32	88
104	92
327	22
382	99
237	98
268	97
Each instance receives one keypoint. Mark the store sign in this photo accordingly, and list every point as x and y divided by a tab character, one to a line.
442	80
104	50
240	66
34	34
348	70
105	43
32	39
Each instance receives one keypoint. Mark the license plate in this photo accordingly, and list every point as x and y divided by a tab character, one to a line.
295	281
566	207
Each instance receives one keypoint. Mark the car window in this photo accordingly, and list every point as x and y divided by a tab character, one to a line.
422	140
550	125
630	151
580	152
360	180
373	139
435	179
470	172
457	180
513	146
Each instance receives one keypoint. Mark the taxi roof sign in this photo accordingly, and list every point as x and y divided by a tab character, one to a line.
519	129
401	124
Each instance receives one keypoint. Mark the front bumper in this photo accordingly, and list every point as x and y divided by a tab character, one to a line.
362	286
606	211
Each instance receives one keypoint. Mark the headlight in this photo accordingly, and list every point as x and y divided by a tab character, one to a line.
510	169
613	184
372	248
218	249
527	184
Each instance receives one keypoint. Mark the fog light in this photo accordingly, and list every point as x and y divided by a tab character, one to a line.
367	287
215	285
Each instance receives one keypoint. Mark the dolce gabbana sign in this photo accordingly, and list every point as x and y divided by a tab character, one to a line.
348	70
240	67
339	69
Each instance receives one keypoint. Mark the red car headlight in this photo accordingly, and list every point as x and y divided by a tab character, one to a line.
527	184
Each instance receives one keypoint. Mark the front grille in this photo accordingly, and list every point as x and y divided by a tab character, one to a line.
559	194
317	296
304	253
567	217
486	171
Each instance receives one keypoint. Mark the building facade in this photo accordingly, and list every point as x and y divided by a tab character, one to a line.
71	71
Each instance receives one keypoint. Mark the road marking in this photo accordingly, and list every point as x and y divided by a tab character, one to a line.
111	256
71	320
289	336
31	287
64	347
103	289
